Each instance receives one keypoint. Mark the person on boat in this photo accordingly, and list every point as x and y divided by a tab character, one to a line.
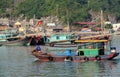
113	50
38	48
68	55
33	40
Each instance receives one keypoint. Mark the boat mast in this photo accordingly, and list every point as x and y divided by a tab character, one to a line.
68	20
102	23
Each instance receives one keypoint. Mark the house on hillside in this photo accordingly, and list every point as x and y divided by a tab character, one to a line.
3	27
83	26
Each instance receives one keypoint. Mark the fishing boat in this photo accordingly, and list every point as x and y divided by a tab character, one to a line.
87	50
61	40
2	39
11	39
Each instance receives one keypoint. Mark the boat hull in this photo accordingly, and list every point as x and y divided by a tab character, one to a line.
74	58
18	42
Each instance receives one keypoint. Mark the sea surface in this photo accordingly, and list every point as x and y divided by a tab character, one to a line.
17	61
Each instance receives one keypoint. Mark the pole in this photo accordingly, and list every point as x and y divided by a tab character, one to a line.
68	21
102	24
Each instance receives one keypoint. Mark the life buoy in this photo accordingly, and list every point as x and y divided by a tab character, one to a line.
50	58
98	58
68	58
86	58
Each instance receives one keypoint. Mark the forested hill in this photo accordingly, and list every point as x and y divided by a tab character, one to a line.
72	10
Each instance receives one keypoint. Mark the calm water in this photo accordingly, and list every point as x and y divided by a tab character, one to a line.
17	61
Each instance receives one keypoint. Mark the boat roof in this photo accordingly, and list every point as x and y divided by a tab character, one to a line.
83	41
55	34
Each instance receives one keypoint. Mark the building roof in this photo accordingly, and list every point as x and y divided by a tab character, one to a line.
85	23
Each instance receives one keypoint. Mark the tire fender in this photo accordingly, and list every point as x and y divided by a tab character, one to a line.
86	58
98	58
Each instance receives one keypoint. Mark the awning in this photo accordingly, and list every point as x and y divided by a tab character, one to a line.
17	23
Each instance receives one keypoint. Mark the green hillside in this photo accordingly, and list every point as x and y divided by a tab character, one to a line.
72	10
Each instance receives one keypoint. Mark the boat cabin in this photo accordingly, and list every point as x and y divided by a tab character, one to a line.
61	37
2	37
91	48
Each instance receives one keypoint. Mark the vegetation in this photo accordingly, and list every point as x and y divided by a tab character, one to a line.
6	8
72	10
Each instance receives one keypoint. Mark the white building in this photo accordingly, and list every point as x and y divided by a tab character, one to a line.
51	24
4	21
116	26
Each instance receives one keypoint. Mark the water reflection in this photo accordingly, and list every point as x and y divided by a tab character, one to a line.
71	69
53	69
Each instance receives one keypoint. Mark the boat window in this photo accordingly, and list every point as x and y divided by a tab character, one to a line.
2	37
72	36
100	45
67	37
57	37
87	45
94	45
82	46
80	53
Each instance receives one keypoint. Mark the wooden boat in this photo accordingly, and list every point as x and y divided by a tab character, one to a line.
87	50
17	42
11	39
2	39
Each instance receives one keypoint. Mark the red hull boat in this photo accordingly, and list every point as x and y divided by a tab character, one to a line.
87	50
